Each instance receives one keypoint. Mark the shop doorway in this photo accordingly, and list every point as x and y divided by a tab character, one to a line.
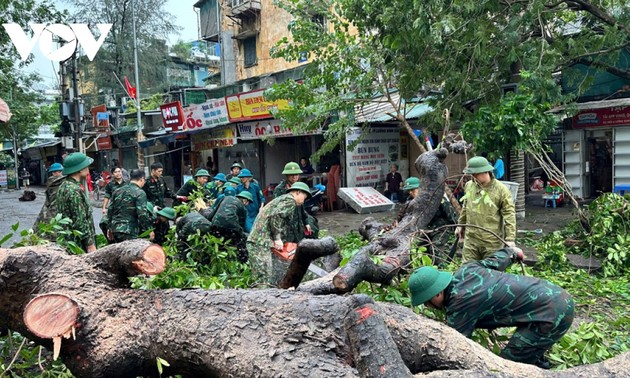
600	165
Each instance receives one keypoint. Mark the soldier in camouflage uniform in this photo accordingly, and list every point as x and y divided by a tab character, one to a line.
302	224
128	214
72	202
49	210
487	203
228	220
481	295
156	188
161	226
116	182
269	231
188	225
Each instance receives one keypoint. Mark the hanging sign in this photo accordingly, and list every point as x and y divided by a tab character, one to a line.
172	116
252	106
207	115
614	116
222	138
269	128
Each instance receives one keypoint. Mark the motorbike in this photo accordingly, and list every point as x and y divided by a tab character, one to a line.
314	204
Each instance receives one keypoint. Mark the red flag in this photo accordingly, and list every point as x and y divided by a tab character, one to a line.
131	90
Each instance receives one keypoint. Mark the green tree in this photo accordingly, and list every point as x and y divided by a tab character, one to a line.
153	26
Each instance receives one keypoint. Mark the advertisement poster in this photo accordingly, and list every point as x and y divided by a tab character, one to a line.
377	148
268	128
4	180
211	113
251	106
615	116
214	139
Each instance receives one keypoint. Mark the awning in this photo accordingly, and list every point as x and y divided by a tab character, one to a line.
381	110
592	105
41	144
7	146
169	138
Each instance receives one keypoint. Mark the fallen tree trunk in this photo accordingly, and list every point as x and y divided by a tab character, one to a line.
119	332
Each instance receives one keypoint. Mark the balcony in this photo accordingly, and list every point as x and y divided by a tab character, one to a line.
245	7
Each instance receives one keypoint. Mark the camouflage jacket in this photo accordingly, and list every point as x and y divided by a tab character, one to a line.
189	225
111	187
273	221
49	210
157	190
72	202
481	295
230	214
490	207
128	213
295	230
192	186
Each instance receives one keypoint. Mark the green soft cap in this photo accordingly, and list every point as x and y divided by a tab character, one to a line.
478	164
168	213
75	162
427	282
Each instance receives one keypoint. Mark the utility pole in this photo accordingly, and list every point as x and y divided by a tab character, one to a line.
140	135
77	102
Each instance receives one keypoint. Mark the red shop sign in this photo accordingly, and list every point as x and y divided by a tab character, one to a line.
172	116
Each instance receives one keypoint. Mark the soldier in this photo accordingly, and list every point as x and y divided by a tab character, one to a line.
216	186
488	204
128	213
156	188
49	210
198	183
258	199
72	202
481	295
229	219
187	226
302	224
116	182
269	231
235	170
234	182
161	226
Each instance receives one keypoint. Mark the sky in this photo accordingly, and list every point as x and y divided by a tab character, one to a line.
186	19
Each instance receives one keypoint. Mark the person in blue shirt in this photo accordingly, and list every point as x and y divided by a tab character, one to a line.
258	199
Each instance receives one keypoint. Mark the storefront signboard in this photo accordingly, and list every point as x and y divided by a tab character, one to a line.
268	128
604	117
225	137
365	200
4	180
375	150
210	114
172	116
251	106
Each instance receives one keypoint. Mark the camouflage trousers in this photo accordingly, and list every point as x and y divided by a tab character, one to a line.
475	249
266	267
530	341
120	237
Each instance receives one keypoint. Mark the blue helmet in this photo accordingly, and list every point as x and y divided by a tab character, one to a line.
229	192
220	176
245	173
55	167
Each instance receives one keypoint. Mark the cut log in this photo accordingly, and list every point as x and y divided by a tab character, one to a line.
237	333
51	315
308	250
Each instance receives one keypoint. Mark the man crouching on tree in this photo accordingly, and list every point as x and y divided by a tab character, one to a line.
481	295
270	228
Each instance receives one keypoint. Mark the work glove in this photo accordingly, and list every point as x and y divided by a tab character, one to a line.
307	230
156	209
510	244
517	254
277	244
182	198
459	232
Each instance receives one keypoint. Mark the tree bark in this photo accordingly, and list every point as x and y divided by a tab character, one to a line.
233	333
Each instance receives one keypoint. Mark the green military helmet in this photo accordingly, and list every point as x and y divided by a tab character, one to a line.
236	165
301	186
150	207
168	213
75	162
478	164
202	172
55	167
292	168
427	282
235	180
220	176
246	195
411	183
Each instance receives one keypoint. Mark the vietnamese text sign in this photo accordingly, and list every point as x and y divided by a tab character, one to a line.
615	116
371	158
251	106
4	180
269	128
211	113
365	200
214	139
172	116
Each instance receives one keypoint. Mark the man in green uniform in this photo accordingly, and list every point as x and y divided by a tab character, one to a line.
161	226
188	225
49	210
269	231
156	188
193	185
488	204
229	218
128	213
72	202
302	223
116	182
481	295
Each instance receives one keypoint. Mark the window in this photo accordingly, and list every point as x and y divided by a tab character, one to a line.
249	48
